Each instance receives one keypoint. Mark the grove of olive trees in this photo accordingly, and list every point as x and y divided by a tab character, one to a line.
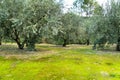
26	22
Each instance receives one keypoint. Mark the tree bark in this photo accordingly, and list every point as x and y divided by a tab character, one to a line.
31	46
0	40
118	45
0	43
30	43
88	42
17	39
65	43
20	46
19	43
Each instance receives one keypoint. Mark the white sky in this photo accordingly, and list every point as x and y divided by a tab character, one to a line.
68	3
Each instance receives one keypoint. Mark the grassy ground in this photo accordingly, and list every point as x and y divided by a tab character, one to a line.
51	62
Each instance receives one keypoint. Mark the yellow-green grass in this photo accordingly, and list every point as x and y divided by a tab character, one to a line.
50	62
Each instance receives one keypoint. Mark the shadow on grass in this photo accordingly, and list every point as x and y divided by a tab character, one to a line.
115	75
13	49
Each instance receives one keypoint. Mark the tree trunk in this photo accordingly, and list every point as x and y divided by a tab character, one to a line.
118	45
88	42
0	40
65	43
30	43
0	43
19	43
20	46
31	46
94	46
17	39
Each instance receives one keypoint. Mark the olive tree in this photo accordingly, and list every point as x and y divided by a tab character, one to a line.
108	24
26	19
39	15
68	32
113	16
86	8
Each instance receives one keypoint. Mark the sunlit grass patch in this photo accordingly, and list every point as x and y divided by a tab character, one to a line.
51	62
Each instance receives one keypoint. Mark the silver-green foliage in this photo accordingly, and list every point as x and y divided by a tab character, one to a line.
25	20
68	32
108	24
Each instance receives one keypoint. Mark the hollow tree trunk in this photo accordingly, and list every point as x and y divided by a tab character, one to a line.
118	45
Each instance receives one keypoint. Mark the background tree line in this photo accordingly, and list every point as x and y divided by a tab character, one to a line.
27	22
